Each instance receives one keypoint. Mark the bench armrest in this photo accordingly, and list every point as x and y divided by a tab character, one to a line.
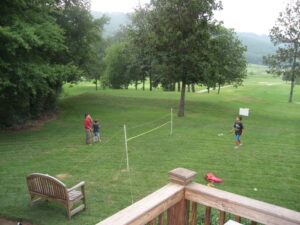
82	183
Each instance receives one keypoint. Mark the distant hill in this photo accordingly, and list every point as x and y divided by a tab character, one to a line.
116	19
258	45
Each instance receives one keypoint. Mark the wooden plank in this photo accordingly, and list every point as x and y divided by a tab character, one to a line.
148	208
152	222
161	219
179	213
238	219
251	209
222	217
207	215
194	213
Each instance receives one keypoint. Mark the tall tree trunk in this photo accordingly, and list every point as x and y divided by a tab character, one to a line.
144	83
136	84
189	88
193	88
292	88
219	89
182	100
173	86
150	80
208	88
96	84
293	73
178	87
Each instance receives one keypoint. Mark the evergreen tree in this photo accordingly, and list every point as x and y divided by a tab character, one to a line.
286	35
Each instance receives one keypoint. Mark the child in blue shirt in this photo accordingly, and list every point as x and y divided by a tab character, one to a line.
96	131
238	128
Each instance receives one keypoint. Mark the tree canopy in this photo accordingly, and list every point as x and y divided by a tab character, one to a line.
44	44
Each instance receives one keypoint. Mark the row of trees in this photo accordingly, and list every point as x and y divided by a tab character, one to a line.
171	41
43	45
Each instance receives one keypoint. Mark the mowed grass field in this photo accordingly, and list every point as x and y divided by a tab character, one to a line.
269	161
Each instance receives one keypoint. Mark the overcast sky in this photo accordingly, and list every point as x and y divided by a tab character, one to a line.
256	16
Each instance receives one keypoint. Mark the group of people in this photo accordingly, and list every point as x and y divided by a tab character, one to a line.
92	129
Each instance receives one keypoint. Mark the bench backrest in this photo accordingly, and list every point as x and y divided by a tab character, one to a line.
46	185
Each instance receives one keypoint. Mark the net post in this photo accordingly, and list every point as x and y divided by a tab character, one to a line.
126	147
171	123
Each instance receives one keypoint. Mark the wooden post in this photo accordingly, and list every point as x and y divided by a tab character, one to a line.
238	219
171	125
194	213
126	147
182	176
179	213
152	222
207	215
161	219
222	217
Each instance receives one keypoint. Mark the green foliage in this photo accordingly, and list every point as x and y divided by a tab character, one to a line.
226	61
46	43
116	61
286	33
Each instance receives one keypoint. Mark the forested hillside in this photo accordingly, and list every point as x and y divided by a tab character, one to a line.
257	45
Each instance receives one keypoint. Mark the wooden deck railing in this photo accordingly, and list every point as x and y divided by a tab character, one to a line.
177	203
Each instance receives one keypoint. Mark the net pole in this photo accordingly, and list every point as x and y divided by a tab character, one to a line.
171	126
126	147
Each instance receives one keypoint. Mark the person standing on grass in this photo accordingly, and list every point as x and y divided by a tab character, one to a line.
96	127
88	126
238	128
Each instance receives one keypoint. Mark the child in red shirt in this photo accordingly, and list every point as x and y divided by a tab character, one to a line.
88	126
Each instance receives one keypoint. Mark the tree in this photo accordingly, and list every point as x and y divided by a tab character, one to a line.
116	73
180	30
95	66
83	34
227	63
30	78
286	35
141	44
46	43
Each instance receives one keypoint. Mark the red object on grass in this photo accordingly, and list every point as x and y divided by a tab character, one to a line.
211	178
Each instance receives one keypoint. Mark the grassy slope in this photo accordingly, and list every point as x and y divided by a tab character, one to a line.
269	160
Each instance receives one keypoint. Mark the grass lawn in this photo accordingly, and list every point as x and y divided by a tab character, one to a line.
269	160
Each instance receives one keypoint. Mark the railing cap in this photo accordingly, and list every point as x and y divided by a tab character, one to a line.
182	176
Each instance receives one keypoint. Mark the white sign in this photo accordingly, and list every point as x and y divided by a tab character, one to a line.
244	112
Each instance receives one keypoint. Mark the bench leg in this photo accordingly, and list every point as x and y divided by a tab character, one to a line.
32	202
84	203
76	210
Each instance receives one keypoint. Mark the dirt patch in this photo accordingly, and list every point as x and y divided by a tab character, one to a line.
92	183
4	221
31	125
63	175
243	98
110	202
268	83
204	91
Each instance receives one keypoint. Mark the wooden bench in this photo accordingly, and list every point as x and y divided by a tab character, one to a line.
45	187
